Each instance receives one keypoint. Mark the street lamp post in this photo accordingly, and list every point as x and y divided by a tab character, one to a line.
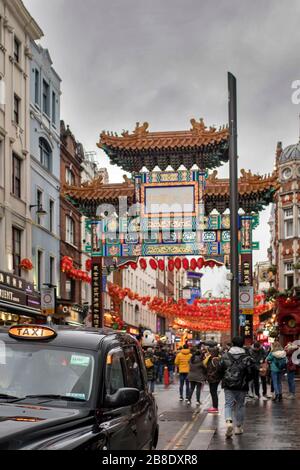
233	205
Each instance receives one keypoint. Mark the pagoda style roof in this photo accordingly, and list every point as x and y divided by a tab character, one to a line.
90	195
205	147
254	191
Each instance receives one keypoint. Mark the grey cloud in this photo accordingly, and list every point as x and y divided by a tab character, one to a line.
165	61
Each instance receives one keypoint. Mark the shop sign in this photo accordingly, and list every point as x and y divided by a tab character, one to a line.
96	292
13	296
9	280
33	302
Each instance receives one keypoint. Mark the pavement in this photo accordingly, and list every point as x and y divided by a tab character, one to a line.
267	426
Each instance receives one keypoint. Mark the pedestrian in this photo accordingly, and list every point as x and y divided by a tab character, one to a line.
236	370
213	377
291	369
258	355
278	362
196	376
171	360
150	360
182	361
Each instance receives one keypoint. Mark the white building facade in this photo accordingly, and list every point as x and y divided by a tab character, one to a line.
143	283
17	30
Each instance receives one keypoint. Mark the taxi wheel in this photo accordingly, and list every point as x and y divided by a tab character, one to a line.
154	441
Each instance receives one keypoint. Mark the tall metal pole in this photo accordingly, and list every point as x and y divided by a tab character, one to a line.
233	205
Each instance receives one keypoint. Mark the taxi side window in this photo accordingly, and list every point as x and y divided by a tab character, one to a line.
114	377
133	370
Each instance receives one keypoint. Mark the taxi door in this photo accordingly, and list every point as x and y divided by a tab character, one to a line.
144	412
119	424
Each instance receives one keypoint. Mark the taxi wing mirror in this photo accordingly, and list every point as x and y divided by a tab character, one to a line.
123	397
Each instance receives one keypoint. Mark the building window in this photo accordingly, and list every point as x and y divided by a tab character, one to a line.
45	153
39	202
70	230
288	223
17	49
16	109
16	250
51	215
288	275
37	87
70	177
46	98
52	270
53	108
39	269
16	176
68	289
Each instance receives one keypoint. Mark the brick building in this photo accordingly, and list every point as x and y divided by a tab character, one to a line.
72	156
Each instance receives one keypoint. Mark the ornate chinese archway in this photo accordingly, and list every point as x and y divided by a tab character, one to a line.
199	232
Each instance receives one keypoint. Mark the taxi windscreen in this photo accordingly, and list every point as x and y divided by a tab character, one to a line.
28	370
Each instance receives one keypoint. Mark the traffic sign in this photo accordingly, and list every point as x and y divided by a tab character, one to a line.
48	301
246	301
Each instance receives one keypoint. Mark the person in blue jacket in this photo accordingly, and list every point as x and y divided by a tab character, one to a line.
278	362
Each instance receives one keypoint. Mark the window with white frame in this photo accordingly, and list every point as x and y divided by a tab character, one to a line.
288	275
70	230
288	222
70	177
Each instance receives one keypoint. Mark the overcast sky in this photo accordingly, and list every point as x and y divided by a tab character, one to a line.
166	61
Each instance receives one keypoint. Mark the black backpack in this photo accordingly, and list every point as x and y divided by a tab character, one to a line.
236	374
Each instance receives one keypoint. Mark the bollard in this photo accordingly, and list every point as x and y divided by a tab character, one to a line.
166	377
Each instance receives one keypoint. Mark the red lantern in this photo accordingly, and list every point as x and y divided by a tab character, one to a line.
193	264
153	264
200	263
143	264
211	264
133	265
177	263
161	265
88	264
171	265
185	264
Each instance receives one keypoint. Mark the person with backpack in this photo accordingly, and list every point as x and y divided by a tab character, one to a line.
213	376
236	370
150	360
182	362
278	362
196	376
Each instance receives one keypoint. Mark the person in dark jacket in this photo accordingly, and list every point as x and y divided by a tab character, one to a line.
236	370
196	376
213	376
290	349
150	360
258	355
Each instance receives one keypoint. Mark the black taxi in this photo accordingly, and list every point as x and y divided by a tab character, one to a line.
66	387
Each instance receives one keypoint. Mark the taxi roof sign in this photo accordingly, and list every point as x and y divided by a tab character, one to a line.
31	332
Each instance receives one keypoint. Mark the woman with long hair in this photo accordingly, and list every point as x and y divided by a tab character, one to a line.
197	375
277	360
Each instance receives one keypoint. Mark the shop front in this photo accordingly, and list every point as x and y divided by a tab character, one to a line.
19	302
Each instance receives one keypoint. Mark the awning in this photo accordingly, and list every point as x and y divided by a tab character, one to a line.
19	309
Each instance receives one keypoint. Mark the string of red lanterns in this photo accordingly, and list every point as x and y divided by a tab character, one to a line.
67	267
202	314
177	263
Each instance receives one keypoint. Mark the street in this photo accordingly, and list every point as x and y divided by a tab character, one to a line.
268	426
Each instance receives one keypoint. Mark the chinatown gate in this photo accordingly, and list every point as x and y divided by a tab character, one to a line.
174	204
